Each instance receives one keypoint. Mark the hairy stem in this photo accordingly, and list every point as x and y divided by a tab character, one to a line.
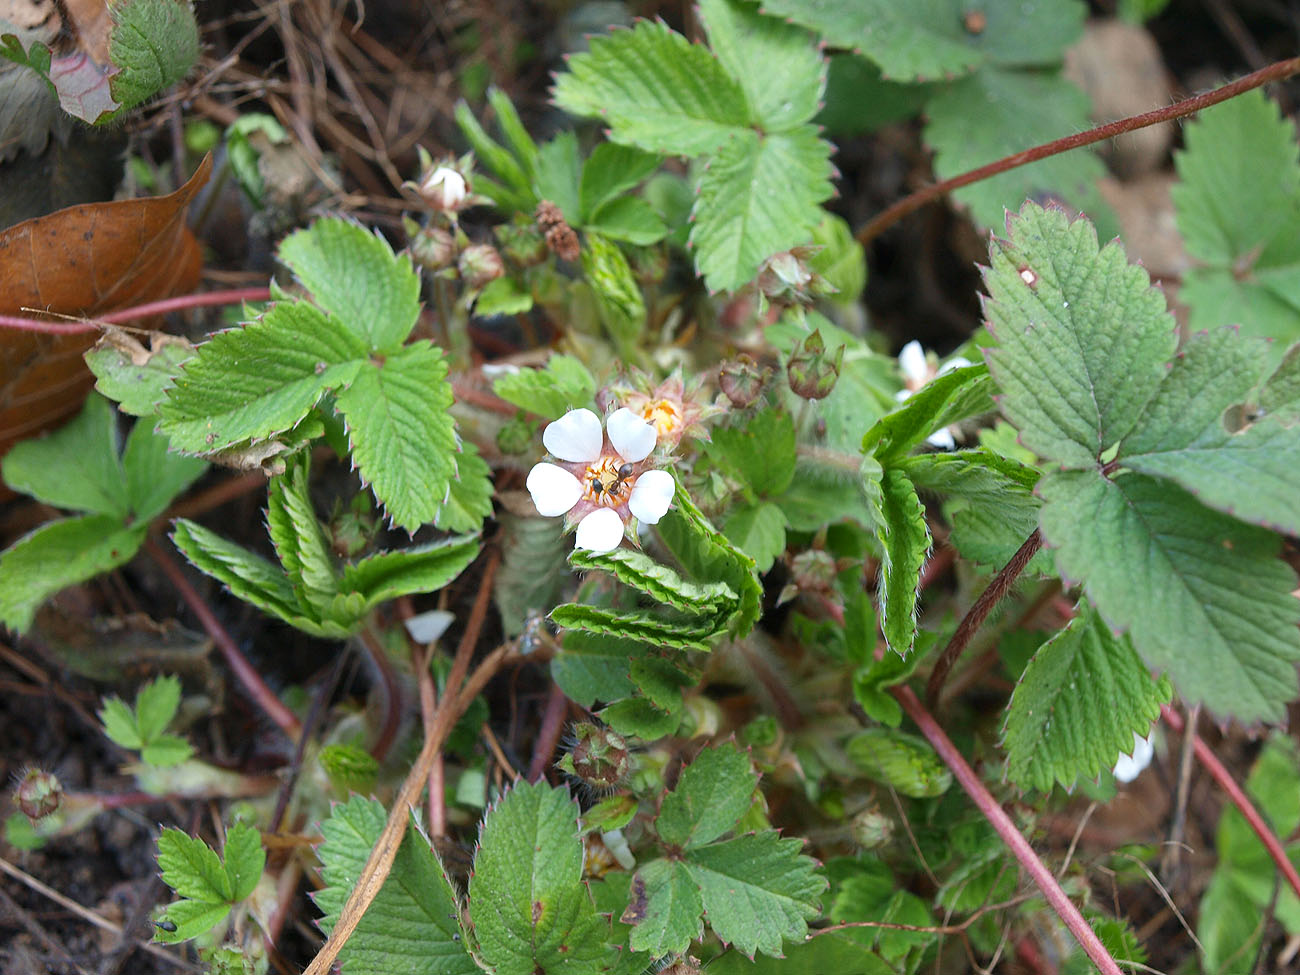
1005	828
247	674
976	615
909	204
557	709
1224	778
146	310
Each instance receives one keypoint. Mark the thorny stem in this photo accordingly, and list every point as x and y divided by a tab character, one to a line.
1005	828
247	674
1224	778
146	310
909	204
976	615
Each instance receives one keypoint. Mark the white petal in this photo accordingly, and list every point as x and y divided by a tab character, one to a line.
600	531
942	439
956	362
631	436
651	496
911	360
427	627
575	437
554	489
617	844
1129	768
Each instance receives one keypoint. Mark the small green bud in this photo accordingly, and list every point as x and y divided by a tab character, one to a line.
38	794
811	372
517	436
599	756
432	248
522	244
742	379
871	828
478	264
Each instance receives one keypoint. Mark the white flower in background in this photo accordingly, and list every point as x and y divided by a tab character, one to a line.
1129	767
601	478
917	371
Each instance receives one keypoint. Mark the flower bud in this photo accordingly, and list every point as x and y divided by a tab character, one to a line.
38	794
522	244
871	828
479	264
599	756
811	372
432	248
786	278
742	380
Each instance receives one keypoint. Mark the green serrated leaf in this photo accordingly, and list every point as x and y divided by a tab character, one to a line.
154	474
154	44
413	924
654	89
404	572
778	65
1252	473
759	531
870	685
610	171
155	706
530	908
758	195
559	170
403	437
591	668
905	541
192	868
253	382
503	296
133	376
1083	338
629	219
1202	596
1014	110
119	723
901	760
353	274
618	296
714	600
166	751
932	39
1077	707
469	495
711	795
57	555
956	395
758	890
692	633
512	127
661	681
191	918
564	384
664	906
859	99
761	451
243	859
637	718
76	466
300	541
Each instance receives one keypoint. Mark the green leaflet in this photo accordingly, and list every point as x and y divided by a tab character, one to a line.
903	761
711	795
905	541
761	452
564	384
759	531
618	295
210	885
530	909
130	375
413	925
141	728
299	542
1078	705
659	582
592	668
690	633
154	44
956	395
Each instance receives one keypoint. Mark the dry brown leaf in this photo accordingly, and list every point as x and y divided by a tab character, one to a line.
92	21
85	260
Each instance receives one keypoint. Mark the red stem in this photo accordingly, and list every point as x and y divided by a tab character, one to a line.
882	221
1224	778
1001	822
557	709
245	672
178	303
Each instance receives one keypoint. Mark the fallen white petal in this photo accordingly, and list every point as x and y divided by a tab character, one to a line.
631	436
600	531
911	360
651	496
427	627
1129	767
575	437
554	489
942	439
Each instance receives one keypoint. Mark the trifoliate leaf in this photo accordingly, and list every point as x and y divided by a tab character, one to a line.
761	451
154	44
354	275
1202	596
939	38
133	376
996	112
665	907
654	89
1236	202
758	195
469	497
1252	473
778	65
413	924
1075	711
956	395
905	540
564	384
758	890
58	554
592	668
260	380
610	171
154	474
1083	338
759	531
711	795
530	909
76	466
403	437
903	761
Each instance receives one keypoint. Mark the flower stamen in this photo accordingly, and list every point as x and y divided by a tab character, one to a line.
608	482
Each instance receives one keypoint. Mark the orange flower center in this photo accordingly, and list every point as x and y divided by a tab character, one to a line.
608	482
664	415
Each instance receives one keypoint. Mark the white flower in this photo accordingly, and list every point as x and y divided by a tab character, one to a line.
444	189
601	478
917	371
1129	767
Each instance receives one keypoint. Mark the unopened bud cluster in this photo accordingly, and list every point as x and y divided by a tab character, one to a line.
599	757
